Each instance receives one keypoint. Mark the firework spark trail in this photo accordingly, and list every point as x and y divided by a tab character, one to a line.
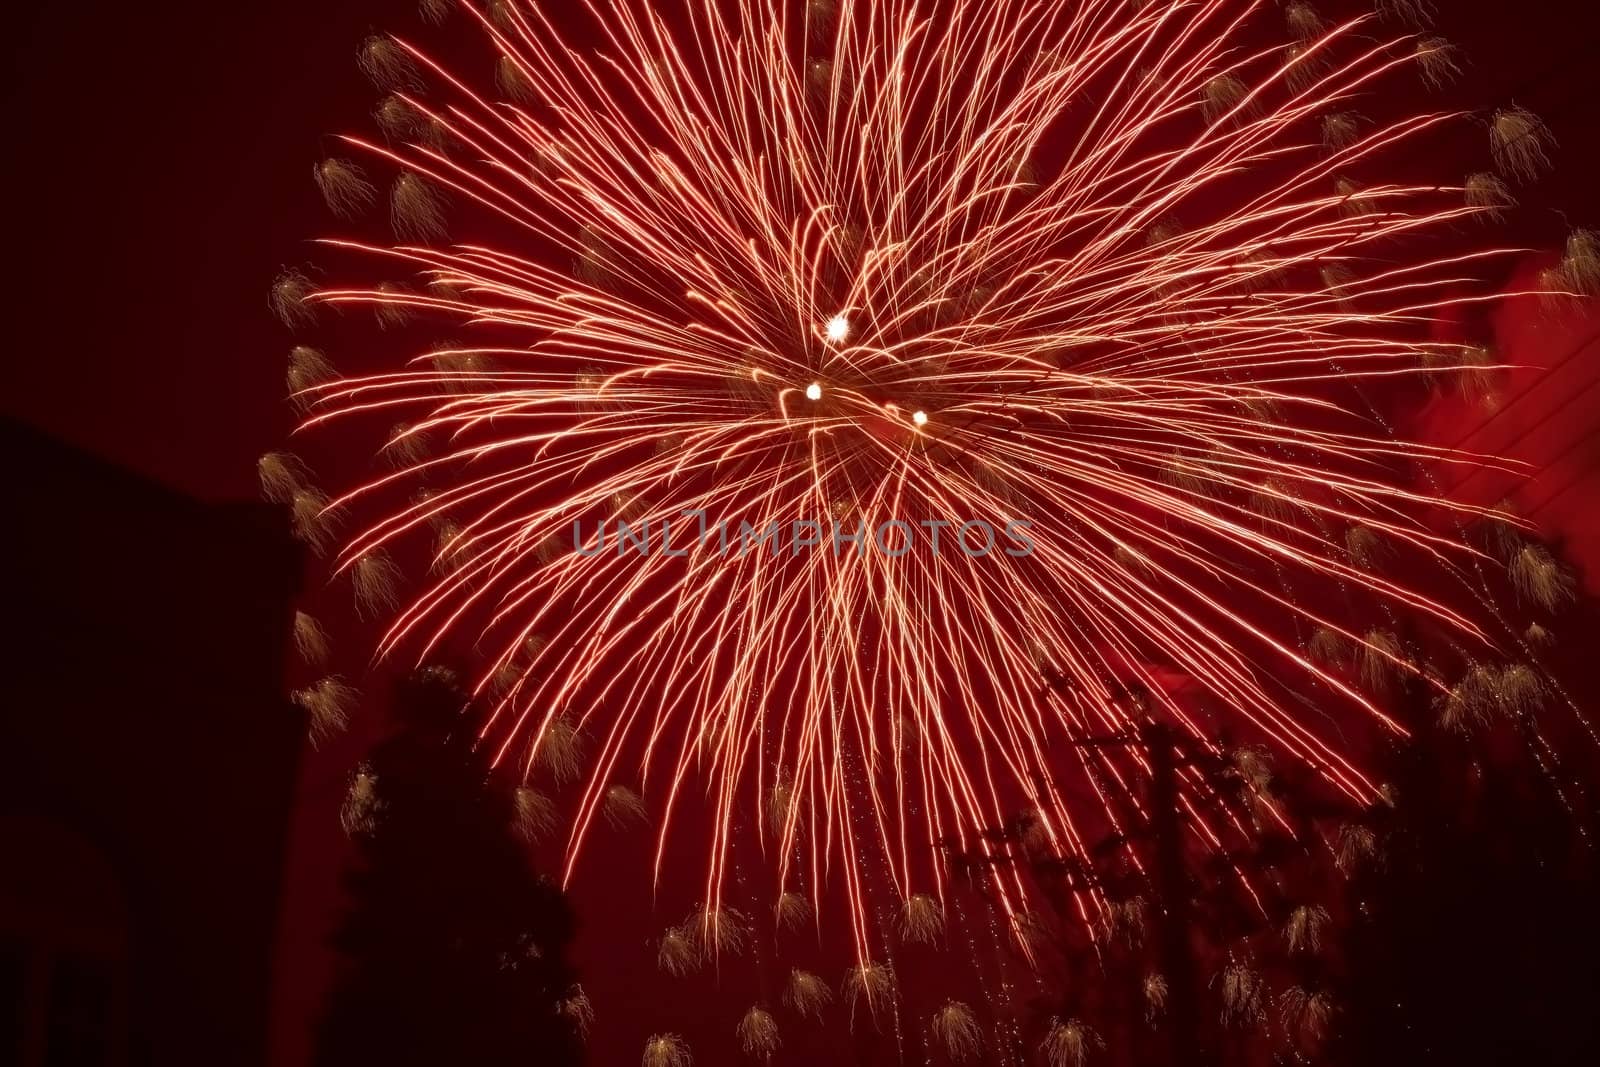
824	281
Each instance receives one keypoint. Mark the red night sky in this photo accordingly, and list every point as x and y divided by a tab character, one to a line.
159	163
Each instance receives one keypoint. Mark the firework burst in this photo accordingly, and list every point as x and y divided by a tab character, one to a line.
957	1031
758	1034
954	388
807	995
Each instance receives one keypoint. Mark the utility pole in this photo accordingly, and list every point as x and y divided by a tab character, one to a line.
1173	887
1172	884
1175	910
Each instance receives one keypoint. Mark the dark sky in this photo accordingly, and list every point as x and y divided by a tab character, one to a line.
158	164
159	161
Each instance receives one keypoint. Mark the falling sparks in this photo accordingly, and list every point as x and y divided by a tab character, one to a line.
1357	846
1539	578
1243	991
534	814
957	1031
868	985
1305	1014
576	1008
289	295
921	919
792	911
310	519
719	931
1305	928
1488	194
666	1050
676	952
344	187
559	751
1155	997
310	639
1520	143
308	368
624	808
328	704
358	814
807	995
758	1033
281	475
1069	1043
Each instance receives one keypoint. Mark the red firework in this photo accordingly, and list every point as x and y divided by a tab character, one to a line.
1099	287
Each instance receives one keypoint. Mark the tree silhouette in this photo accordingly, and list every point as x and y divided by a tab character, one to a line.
454	948
1478	936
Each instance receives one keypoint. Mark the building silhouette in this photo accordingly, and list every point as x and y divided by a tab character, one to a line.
150	759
